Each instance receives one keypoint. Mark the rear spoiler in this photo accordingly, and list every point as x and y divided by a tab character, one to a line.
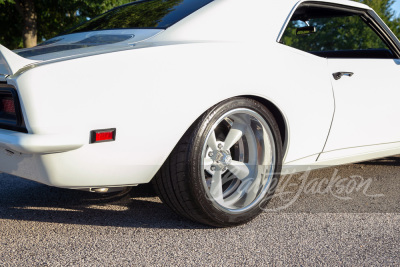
10	62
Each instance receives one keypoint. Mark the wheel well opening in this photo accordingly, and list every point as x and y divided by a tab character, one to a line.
277	115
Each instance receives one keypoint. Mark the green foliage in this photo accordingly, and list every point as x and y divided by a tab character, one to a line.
11	25
343	33
54	17
385	11
338	33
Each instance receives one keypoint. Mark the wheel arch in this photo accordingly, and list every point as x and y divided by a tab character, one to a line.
279	117
277	113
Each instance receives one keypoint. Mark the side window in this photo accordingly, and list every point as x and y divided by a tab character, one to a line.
334	34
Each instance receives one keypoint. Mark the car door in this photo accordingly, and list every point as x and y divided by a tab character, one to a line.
364	69
366	102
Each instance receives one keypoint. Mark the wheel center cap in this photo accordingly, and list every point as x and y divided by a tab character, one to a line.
223	158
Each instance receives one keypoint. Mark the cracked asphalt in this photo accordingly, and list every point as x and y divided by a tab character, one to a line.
347	215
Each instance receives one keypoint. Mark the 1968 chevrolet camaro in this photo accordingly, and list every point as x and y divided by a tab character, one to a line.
209	100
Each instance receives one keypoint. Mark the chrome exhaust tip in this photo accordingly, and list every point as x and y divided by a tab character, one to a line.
107	190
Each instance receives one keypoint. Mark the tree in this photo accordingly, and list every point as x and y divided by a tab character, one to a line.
341	32
11	25
27	22
24	23
26	11
385	11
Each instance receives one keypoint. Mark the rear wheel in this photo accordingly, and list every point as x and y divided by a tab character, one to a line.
222	171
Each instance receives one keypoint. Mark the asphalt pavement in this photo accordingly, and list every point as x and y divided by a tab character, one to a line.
347	215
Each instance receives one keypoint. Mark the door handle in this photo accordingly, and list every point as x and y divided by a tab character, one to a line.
339	75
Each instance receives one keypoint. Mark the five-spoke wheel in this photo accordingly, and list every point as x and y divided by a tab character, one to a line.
222	171
239	160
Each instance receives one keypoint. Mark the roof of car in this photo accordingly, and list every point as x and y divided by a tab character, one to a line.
340	2
230	20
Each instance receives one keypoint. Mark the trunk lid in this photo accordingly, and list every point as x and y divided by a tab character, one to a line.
72	45
86	43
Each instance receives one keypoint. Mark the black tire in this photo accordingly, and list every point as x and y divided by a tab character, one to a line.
181	183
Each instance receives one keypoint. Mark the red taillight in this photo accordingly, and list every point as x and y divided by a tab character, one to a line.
10	110
99	136
8	105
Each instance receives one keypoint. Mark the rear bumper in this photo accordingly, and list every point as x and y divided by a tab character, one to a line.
39	144
67	161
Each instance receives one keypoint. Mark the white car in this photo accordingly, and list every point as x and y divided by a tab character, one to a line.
209	100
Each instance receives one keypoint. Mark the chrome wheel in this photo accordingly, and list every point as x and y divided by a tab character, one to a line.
224	169
238	160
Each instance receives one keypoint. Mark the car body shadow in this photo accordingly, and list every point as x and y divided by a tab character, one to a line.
25	200
389	161
367	187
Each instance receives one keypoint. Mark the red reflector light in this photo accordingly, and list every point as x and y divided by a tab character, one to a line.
99	136
104	136
8	105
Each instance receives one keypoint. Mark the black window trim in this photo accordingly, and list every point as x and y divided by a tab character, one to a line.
373	20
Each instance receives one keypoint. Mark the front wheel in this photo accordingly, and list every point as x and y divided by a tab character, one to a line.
224	169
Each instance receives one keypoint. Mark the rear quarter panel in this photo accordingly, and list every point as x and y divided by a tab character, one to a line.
153	95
